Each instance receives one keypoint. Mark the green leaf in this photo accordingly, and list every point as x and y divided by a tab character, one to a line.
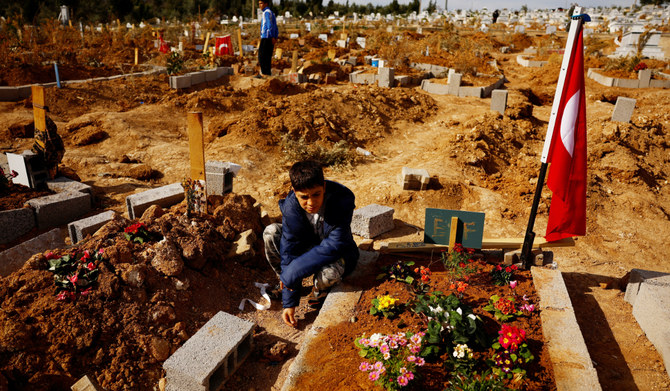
381	276
128	236
363	353
409	280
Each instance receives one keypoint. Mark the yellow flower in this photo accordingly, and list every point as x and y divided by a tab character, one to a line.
386	301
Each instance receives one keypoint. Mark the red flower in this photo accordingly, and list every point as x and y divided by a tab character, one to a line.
461	264
508	269
461	287
90	266
51	255
86	291
134	229
425	278
416	270
452	286
498	267
73	279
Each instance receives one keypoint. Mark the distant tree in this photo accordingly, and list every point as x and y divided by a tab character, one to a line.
653	2
431	7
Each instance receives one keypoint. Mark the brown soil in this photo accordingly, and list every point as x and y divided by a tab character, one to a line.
478	161
334	352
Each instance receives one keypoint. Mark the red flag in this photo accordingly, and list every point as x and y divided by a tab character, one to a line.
567	155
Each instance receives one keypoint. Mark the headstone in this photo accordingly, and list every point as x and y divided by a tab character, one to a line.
519	29
454	83
323	37
499	101
385	77
644	76
361	42
623	109
389	29
551	29
294	36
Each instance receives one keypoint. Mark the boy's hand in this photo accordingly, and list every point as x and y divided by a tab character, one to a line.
289	317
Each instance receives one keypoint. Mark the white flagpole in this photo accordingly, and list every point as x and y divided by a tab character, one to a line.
575	29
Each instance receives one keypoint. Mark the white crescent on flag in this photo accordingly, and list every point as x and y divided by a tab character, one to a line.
569	121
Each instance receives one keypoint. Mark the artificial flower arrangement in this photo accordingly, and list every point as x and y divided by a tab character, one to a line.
75	274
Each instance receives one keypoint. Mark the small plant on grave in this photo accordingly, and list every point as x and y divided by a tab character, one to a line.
74	274
459	287
461	359
513	353
459	262
421	284
175	63
503	308
448	322
194	193
6	178
400	271
386	306
474	381
137	233
391	361
503	275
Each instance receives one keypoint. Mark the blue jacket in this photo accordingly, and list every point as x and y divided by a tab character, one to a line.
268	24
303	253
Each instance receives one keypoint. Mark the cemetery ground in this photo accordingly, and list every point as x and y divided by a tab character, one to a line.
127	135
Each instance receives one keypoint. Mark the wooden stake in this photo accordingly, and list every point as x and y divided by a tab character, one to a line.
196	146
294	62
239	41
39	112
69	21
204	48
452	233
332	53
136	55
278	53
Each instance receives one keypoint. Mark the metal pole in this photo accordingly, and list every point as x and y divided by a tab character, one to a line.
530	235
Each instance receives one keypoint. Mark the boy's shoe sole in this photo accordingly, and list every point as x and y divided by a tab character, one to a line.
317	298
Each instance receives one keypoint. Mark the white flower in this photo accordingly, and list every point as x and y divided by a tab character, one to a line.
472	316
460	312
375	337
436	310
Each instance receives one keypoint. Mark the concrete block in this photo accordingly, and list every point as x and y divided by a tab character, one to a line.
13	258
59	209
86	384
559	324
372	220
62	184
219	177
477	92
8	94
210	356
197	77
30	169
434	88
24	91
626	83
659	83
638	277
296	78
226	70
414	179
644	77
454	84
164	196
602	79
403	80
79	229
486	91
178	82
15	222
499	101
352	60
385	77
652	312
439	71
211	74
623	109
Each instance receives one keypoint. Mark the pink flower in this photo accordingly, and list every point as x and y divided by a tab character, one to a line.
384	349
379	366
420	361
374	375
415	339
365	366
101	251
62	296
513	284
409	375
411	358
387	355
402	381
73	279
415	349
86	291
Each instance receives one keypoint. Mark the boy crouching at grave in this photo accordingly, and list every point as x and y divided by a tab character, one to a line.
314	237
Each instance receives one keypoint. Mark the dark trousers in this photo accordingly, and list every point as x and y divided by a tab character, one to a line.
265	51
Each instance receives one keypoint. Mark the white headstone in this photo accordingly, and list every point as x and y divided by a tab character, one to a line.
323	37
361	42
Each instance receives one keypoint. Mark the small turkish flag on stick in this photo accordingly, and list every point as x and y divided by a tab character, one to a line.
567	155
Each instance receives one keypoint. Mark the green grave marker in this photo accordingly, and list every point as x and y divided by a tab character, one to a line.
469	233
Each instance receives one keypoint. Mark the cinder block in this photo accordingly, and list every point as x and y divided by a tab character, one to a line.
31	171
12	259
210	356
352	60
499	101
197	77
626	83
644	76
372	220
15	222
455	83
623	109
164	196
414	179
652	312
385	77
178	82
219	177
403	80
477	92
638	277
211	74
59	209
62	184
80	228
434	88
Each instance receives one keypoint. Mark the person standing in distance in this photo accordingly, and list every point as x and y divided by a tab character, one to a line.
269	34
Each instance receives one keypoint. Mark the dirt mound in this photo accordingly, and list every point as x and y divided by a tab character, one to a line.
146	303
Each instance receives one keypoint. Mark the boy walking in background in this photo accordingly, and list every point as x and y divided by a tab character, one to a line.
269	34
314	237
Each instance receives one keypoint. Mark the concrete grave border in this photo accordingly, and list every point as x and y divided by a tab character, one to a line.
461	91
643	80
14	93
523	61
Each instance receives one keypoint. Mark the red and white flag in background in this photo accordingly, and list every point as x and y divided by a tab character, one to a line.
567	155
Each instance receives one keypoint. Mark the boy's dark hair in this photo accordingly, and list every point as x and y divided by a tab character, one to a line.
306	174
